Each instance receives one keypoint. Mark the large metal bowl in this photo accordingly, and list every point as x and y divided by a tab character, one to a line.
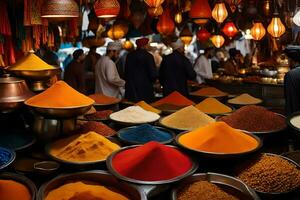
220	155
36	75
116	174
97	176
235	186
21	179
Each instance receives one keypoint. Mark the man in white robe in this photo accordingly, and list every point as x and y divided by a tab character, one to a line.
203	67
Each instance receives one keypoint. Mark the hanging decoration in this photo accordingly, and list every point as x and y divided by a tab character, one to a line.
154	3
200	11
107	8
267	7
186	35
258	31
219	13
155	12
165	25
117	31
217	40
203	35
124	10
178	17
230	29
276	27
127	44
233	4
60	9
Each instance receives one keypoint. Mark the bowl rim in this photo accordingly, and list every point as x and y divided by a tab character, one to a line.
11	159
131	180
56	108
11	69
290	117
258	140
121	131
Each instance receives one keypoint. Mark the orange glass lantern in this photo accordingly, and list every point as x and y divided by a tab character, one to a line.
117	31
276	27
258	31
186	35
178	17
203	35
165	25
107	8
127	44
200	11
219	13
154	3
230	29
60	9
217	40
155	12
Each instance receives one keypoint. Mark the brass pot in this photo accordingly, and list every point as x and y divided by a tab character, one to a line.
13	92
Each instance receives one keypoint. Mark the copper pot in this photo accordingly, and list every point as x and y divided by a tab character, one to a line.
13	92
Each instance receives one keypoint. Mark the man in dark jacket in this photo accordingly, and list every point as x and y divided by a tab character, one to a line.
74	72
175	70
140	73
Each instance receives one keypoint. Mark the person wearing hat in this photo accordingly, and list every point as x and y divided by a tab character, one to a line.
107	79
176	70
140	73
203	66
233	64
74	73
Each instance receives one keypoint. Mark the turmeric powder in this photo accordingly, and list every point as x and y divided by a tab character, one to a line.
59	95
213	106
148	107
83	191
31	62
12	190
218	137
209	92
83	148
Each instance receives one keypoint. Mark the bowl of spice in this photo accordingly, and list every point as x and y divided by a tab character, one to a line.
219	140
271	175
294	122
97	127
7	156
186	119
16	187
99	116
213	107
145	133
82	150
209	92
60	101
211	186
87	185
244	99
148	107
152	163
134	115
255	119
103	102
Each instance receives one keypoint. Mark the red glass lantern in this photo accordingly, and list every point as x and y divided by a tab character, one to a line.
203	35
200	12
165	25
107	8
230	29
154	3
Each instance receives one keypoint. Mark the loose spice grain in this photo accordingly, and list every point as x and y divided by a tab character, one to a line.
99	115
271	174
213	106
175	98
245	99
209	92
204	190
97	127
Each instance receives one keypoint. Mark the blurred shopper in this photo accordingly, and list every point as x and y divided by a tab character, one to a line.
233	64
91	59
140	73
203	67
176	70
47	55
107	79
74	72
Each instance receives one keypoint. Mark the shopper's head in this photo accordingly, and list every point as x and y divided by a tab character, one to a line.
113	50
142	43
78	55
209	52
178	46
235	54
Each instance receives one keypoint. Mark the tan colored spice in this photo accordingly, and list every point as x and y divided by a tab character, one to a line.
245	99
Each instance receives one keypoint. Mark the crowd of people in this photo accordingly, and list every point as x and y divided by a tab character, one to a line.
133	74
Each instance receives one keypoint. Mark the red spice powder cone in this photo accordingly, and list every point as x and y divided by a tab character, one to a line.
175	98
151	162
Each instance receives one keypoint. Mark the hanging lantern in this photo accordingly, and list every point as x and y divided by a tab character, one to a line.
127	44
186	35
219	13
200	12
276	27
155	12
217	40
117	31
203	35
154	3
107	8
258	31
230	29
60	9
267	7
165	25
178	17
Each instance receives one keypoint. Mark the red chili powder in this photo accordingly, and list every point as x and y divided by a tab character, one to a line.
174	98
97	127
254	119
151	162
103	99
99	115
